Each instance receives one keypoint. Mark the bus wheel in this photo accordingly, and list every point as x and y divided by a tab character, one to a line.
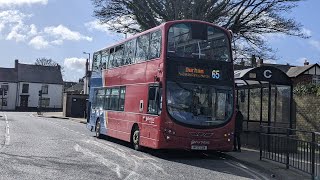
136	139
98	128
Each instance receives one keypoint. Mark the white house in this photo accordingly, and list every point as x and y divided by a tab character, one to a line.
8	82
25	82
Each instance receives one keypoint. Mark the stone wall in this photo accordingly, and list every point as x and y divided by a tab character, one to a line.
308	112
307	109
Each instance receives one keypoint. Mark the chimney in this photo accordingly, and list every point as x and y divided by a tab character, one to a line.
253	61
16	62
260	62
306	62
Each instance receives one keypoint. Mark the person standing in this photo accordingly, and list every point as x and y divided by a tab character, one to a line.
237	130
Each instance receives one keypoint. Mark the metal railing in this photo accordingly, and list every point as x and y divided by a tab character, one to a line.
294	148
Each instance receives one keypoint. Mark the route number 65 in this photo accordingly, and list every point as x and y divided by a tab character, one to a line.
215	74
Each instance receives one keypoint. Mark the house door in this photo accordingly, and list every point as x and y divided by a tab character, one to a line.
24	101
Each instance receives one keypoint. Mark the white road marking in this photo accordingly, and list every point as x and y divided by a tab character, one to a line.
108	163
244	168
7	135
117	151
148	163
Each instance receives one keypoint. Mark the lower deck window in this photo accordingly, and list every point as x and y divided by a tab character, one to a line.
110	98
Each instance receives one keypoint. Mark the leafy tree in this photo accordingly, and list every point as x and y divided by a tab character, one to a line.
250	20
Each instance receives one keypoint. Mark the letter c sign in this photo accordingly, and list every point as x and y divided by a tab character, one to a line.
267	74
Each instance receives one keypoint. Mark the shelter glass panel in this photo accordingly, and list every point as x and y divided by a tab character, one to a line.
265	99
283	106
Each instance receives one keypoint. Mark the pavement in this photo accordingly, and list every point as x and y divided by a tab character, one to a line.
60	116
250	157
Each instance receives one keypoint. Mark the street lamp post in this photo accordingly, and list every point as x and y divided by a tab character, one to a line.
86	81
88	60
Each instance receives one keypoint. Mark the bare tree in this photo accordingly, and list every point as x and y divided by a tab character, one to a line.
250	20
48	62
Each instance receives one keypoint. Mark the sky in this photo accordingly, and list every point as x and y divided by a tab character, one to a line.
63	29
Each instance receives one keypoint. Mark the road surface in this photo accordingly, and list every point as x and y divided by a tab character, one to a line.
46	148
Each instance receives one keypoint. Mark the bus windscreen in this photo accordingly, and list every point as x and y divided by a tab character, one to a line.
200	105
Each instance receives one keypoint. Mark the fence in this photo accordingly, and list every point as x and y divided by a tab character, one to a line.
283	145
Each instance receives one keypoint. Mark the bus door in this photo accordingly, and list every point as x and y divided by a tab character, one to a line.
152	118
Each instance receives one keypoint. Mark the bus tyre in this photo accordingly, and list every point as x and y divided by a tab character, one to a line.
136	139
98	128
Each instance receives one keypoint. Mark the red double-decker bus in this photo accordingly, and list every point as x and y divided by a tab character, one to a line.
170	87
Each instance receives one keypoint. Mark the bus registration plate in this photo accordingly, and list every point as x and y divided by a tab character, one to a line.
199	147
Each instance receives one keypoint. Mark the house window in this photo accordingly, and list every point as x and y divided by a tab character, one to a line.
25	88
4	102
316	79
44	89
5	87
45	102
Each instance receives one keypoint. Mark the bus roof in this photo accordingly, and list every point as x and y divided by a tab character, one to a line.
155	28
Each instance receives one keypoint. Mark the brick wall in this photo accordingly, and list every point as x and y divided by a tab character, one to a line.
302	79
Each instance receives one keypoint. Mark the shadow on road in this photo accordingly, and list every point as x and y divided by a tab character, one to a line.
210	160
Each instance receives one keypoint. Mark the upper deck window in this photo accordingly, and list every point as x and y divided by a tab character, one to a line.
142	48
96	61
104	59
155	45
200	41
129	52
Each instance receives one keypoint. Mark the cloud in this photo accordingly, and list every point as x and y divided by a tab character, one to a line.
301	61
57	42
269	61
39	42
11	18
306	31
77	64
14	28
315	44
96	25
112	25
8	3
63	33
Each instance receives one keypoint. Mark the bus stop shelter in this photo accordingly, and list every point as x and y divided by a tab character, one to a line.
264	95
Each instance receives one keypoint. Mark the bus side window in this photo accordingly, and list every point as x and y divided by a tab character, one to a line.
104	59
114	99
154	98
100	98
111	59
94	100
122	98
130	49
107	99
142	48
119	55
96	61
155	45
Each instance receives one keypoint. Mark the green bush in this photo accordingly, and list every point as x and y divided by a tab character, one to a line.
304	89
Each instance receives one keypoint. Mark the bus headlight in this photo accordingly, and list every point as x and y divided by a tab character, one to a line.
169	131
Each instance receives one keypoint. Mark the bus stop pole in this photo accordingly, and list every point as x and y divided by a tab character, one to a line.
269	116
